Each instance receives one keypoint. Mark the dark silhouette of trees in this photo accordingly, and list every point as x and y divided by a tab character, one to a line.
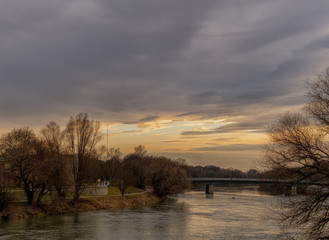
140	151
27	157
41	163
81	138
124	178
135	166
167	176
140	170
52	137
299	150
212	171
68	161
112	164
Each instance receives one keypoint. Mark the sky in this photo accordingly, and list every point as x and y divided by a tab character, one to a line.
200	80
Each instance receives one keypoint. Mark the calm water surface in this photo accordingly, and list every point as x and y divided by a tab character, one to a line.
232	213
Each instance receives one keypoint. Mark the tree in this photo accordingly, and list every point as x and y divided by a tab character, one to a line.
298	150
52	137
167	176
124	178
113	163
81	138
135	164
140	150
27	158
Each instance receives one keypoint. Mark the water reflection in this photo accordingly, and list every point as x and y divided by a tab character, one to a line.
227	214
209	196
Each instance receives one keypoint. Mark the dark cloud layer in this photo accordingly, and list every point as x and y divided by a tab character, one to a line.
112	58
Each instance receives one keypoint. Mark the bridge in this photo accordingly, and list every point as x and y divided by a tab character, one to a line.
239	180
290	185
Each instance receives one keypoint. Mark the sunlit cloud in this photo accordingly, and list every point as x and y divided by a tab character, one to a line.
229	148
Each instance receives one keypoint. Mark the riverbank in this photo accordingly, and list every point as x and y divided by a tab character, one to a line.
23	211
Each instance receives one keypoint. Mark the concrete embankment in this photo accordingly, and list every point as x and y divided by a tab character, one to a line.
22	211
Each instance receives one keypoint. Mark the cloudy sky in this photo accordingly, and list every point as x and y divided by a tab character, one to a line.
186	78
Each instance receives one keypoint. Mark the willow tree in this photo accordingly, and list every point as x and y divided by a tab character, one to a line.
299	150
81	138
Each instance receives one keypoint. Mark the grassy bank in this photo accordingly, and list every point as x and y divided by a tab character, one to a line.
22	210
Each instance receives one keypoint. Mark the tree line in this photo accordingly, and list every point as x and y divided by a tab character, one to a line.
212	171
64	162
138	169
61	162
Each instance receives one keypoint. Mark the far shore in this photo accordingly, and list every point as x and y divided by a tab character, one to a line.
67	206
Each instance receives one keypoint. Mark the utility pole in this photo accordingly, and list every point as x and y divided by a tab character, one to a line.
107	141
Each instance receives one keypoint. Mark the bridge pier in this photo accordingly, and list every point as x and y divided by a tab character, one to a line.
209	189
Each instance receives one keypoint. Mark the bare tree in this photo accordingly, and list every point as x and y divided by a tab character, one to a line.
140	150
26	155
53	139
81	138
298	150
124	178
135	164
113	163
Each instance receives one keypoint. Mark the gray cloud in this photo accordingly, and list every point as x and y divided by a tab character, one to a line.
226	129
113	59
148	118
249	125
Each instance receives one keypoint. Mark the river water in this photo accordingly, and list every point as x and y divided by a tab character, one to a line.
232	213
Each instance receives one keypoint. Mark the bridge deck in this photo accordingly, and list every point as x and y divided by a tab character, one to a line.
254	180
238	180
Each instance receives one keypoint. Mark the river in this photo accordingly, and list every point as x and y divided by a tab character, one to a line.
232	213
